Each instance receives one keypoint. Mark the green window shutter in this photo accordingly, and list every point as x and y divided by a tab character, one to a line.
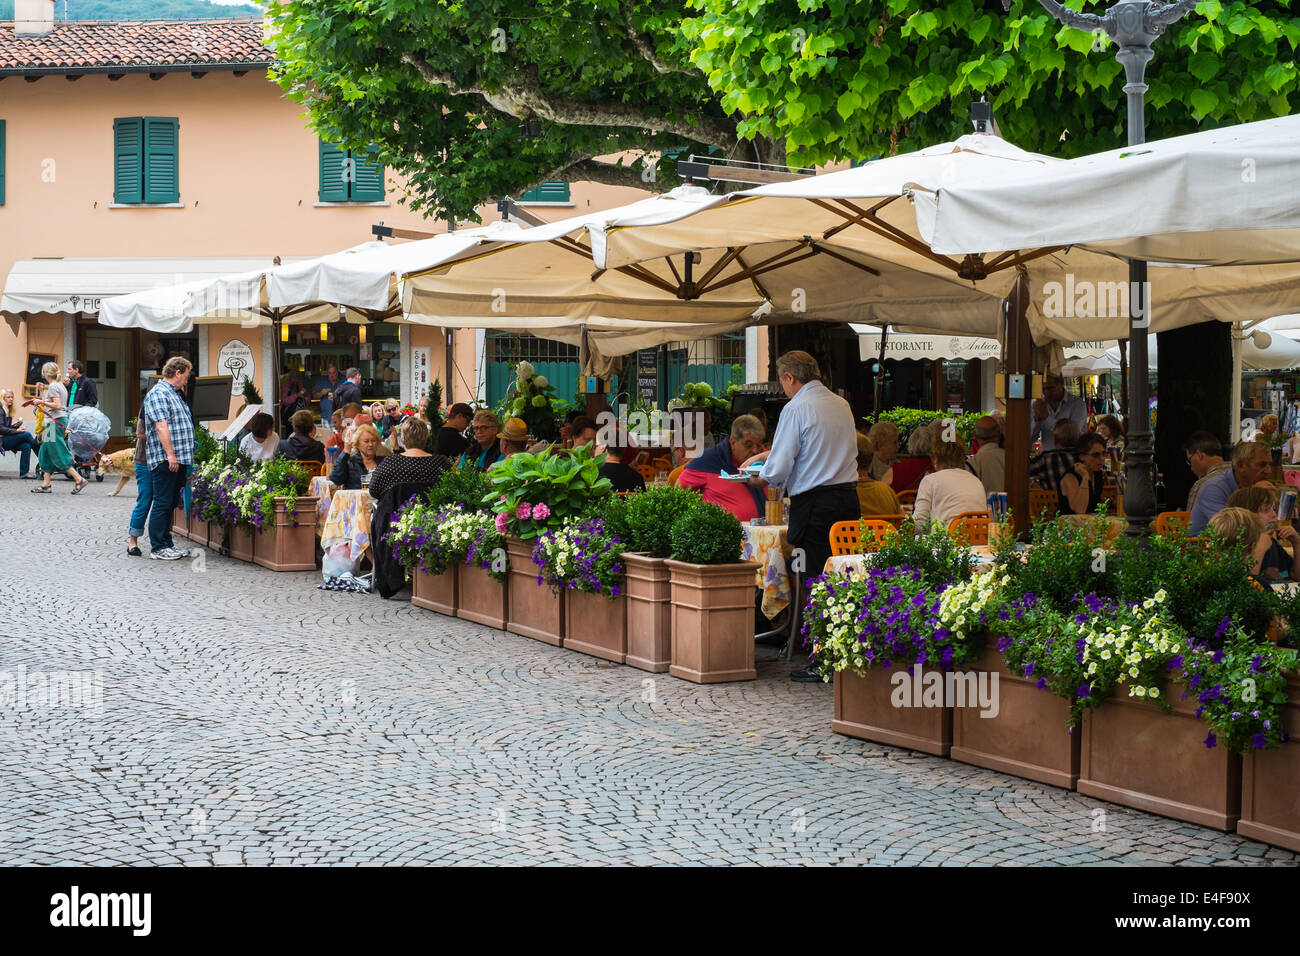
547	192
128	160
368	178
335	173
161	180
2	162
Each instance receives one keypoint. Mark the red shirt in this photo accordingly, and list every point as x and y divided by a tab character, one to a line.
908	473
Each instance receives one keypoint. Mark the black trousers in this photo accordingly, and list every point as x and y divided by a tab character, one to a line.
811	515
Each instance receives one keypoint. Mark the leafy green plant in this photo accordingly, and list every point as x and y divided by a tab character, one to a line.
940	560
582	554
706	534
910	419
1241	689
532	493
651	516
464	485
250	393
1062	563
529	397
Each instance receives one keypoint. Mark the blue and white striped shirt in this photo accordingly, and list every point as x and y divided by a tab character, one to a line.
815	442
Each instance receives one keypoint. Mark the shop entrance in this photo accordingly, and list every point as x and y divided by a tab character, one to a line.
105	361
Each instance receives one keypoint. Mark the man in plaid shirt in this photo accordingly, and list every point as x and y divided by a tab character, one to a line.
1047	469
169	452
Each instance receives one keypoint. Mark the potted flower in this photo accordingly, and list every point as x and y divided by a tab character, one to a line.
274	503
424	541
532	494
482	595
583	561
712	598
214	497
529	397
650	517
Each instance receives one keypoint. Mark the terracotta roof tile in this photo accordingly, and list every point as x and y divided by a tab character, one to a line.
80	45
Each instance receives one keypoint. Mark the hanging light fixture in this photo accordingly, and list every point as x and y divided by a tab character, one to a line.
284	332
361	334
324	331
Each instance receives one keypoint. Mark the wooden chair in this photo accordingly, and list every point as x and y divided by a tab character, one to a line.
906	497
1167	521
846	538
314	469
1040	500
971	526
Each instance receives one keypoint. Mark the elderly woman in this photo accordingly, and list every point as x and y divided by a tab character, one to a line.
875	497
54	455
361	458
14	437
906	473
413	466
884	439
950	489
1080	491
485	449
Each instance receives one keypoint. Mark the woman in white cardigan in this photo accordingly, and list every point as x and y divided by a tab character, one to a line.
950	489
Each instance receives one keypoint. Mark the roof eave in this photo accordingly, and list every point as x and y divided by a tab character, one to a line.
134	68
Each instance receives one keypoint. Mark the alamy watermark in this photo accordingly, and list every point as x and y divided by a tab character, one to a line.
1097	300
949	689
41	690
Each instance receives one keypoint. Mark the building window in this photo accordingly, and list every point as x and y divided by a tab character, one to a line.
145	160
552	192
349	175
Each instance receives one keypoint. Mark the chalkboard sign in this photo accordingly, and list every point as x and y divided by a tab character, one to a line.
647	375
34	362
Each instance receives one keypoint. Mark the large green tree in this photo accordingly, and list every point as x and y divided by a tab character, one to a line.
441	87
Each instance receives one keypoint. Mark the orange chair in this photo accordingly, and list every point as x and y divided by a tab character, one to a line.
676	473
895	521
846	538
1040	500
907	497
1167	521
314	468
971	526
648	472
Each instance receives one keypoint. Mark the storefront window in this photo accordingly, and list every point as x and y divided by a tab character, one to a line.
155	350
378	357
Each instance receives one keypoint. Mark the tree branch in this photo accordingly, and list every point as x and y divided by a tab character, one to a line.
647	51
522	95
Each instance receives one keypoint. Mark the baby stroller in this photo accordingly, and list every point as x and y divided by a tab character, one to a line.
87	433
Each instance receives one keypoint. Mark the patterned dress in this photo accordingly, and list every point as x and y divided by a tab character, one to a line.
54	455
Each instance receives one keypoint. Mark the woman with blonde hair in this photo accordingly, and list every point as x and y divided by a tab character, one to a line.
361	458
950	489
14	437
54	455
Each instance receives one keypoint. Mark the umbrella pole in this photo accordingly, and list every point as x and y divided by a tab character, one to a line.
880	375
1123	381
275	368
1234	411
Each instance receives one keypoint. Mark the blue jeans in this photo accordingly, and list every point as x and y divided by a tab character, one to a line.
166	486
25	443
143	498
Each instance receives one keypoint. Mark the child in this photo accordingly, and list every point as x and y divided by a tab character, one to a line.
1269	560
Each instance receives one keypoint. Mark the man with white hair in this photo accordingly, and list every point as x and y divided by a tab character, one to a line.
1056	405
814	458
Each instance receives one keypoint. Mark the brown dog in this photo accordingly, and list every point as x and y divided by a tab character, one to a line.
119	463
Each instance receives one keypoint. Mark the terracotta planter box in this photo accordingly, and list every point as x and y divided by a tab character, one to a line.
180	524
436	592
1027	737
241	543
282	546
198	530
649	613
480	597
533	610
1270	788
713	621
864	709
596	625
1137	756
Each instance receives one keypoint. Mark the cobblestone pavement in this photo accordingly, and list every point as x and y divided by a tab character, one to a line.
249	718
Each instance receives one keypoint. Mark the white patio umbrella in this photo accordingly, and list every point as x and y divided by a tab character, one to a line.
1228	196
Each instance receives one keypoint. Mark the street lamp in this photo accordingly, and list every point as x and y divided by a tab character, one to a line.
1133	25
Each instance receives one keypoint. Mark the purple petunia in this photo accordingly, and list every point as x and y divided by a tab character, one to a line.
1210	740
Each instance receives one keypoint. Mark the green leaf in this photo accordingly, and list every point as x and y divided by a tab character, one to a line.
1204	66
1203	102
1240	25
848	104
923	24
1210	9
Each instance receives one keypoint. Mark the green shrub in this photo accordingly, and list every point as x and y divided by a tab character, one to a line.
706	534
910	419
650	517
463	485
565	485
939	558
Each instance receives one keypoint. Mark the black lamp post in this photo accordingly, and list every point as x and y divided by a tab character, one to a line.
1133	25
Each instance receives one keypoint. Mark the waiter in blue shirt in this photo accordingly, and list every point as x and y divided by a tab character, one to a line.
814	458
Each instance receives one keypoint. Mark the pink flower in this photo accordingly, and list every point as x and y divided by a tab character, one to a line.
501	523
524	511
541	512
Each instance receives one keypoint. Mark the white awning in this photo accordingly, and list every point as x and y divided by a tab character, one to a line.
76	286
904	345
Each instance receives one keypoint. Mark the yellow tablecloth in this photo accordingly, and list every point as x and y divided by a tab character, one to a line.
324	490
767	545
349	521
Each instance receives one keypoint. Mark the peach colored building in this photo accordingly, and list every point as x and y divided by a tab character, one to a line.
134	155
